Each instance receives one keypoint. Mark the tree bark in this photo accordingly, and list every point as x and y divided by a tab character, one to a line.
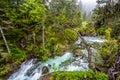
5	41
43	32
89	51
114	71
43	27
87	46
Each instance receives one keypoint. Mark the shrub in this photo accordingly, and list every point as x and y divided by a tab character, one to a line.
18	55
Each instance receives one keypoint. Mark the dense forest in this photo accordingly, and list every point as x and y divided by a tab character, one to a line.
44	29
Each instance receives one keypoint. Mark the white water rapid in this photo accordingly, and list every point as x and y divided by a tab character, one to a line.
32	69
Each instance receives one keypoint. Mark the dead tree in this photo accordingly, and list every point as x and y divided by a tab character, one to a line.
114	71
5	41
87	46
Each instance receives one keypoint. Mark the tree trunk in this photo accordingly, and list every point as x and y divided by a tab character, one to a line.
5	41
43	32
87	46
34	39
43	27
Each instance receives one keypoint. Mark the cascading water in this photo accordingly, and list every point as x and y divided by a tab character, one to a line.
32	69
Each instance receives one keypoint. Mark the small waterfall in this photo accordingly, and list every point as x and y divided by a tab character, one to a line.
32	69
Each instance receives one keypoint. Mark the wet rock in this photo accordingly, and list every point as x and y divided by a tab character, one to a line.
30	71
46	69
35	61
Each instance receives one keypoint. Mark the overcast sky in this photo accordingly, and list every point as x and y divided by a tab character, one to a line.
88	5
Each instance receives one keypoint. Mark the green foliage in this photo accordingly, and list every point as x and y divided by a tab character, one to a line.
107	51
107	16
18	55
15	34
118	78
79	75
6	57
28	19
86	29
101	31
2	79
70	34
108	33
35	9
4	69
44	58
12	15
101	76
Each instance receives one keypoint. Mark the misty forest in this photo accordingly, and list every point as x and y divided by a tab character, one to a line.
59	39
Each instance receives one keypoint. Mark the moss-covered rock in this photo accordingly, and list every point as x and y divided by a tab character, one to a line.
75	75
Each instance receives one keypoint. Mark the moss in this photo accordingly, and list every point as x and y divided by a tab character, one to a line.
118	78
44	58
108	33
79	75
2	79
107	51
4	69
70	34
